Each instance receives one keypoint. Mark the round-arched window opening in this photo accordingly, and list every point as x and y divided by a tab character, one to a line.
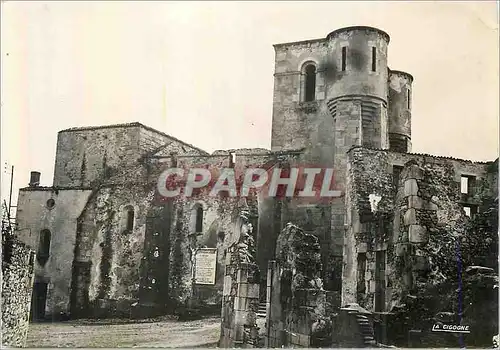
310	83
51	203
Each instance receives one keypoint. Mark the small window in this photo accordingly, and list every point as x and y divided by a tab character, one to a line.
309	218
310	83
361	275
374	59
470	210
466	184
220	236
199	219
232	159
467	211
344	57
396	173
408	98
130	219
43	247
51	203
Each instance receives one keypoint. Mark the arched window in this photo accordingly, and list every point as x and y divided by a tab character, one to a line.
43	247
128	217
199	219
310	83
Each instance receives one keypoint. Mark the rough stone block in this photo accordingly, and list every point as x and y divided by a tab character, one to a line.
417	234
420	263
227	286
253	291
304	340
240	317
371	286
401	249
362	247
242	276
240	303
420	203
410	217
410	188
415	173
243	289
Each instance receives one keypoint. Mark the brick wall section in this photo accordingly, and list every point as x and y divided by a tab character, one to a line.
17	281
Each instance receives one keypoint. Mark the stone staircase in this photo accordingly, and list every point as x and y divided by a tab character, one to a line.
262	311
366	329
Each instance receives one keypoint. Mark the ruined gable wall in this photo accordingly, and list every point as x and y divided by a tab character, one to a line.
369	204
33	216
84	156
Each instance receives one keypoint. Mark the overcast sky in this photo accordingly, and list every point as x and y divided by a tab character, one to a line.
203	71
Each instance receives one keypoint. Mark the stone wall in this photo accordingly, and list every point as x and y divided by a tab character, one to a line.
407	210
297	309
34	214
108	268
17	281
241	291
86	155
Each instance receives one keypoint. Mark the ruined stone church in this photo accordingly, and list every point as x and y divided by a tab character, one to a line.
107	246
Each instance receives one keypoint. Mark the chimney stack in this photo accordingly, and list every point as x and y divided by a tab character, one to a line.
34	179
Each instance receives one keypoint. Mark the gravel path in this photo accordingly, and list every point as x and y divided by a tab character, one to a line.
162	334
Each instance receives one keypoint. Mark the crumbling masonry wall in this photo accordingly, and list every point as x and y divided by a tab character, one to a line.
241	291
17	282
297	310
34	215
408	209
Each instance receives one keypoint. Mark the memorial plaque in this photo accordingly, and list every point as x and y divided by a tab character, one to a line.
206	262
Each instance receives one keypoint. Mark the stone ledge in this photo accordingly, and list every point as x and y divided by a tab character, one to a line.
417	234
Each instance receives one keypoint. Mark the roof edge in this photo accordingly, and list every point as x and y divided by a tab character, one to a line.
422	154
352	28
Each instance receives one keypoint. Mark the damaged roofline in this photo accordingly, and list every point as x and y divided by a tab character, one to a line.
52	188
420	154
269	153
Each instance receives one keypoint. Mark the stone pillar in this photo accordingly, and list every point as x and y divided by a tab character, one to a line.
274	321
305	324
239	306
417	208
17	286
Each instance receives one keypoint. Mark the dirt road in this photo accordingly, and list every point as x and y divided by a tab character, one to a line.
163	333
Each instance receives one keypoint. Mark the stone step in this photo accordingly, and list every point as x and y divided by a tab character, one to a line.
367	331
262	310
